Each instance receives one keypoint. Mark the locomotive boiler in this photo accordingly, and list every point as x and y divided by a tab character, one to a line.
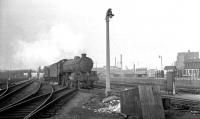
75	72
83	64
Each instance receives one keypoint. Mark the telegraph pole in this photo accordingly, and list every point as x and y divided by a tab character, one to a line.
108	16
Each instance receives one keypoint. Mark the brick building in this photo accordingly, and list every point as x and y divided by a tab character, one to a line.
188	64
192	67
183	56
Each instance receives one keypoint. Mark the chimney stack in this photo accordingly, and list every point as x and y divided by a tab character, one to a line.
83	55
121	60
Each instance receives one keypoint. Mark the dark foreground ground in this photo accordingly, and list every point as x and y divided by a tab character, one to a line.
85	104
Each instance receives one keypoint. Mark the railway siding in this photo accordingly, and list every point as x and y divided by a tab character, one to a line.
13	93
187	101
53	104
23	108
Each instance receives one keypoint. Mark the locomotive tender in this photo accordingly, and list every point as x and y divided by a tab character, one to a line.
75	72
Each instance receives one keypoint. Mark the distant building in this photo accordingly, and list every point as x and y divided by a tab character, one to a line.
152	72
170	68
188	64
183	56
141	72
145	72
114	72
118	72
192	68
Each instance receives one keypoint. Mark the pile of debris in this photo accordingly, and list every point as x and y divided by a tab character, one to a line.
109	104
112	104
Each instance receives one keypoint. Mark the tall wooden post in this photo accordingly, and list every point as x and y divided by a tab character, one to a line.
108	15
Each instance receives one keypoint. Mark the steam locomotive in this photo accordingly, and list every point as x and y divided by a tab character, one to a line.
75	72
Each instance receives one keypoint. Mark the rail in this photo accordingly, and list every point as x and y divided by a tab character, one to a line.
4	90
52	91
189	103
23	108
69	94
9	87
6	99
22	99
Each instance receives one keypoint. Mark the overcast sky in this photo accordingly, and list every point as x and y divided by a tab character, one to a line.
41	32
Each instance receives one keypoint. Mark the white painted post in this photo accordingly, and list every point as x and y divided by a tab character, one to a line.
173	84
174	90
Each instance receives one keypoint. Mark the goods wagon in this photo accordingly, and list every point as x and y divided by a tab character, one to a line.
75	72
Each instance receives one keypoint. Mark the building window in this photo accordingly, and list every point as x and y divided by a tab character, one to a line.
185	72
190	72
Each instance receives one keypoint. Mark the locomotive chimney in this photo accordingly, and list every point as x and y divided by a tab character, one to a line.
83	55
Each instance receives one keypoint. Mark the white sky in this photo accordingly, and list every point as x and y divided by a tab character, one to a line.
45	31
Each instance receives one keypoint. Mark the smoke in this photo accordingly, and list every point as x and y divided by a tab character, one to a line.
39	33
34	33
57	43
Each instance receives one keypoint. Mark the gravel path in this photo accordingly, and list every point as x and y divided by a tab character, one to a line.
63	113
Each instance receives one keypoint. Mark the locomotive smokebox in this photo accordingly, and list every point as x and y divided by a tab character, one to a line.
86	63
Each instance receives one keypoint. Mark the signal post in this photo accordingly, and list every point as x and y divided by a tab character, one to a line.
108	16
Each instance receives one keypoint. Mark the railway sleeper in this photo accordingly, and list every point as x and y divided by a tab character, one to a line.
12	117
24	111
183	106
49	113
43	115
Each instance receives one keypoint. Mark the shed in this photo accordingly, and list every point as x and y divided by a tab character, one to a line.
142	102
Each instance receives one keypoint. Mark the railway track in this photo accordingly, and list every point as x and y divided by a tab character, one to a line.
24	93
188	104
3	91
12	94
35	106
41	90
188	90
44	89
53	104
11	86
23	108
179	89
3	85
